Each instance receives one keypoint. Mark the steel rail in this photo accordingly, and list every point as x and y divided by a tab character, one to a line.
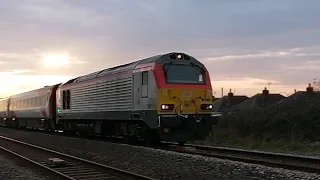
278	160
74	167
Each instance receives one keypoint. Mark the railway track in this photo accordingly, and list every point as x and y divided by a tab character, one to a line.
278	160
64	165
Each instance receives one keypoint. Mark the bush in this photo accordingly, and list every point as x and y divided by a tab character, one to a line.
292	121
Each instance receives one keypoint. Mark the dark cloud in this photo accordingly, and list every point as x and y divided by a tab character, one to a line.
106	33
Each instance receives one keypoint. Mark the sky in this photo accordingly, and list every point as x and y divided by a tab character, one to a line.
246	45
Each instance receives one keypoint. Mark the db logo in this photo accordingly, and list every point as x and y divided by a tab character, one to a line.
187	93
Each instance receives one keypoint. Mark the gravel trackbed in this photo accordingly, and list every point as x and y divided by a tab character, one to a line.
158	164
12	170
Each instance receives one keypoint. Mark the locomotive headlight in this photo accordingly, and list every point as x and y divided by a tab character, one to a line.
179	56
167	107
206	106
164	106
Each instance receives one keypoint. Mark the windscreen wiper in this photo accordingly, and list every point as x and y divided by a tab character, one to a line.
199	68
166	69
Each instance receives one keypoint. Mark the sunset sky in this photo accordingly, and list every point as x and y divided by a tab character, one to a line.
244	44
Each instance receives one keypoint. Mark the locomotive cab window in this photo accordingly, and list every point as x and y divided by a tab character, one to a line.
184	74
144	84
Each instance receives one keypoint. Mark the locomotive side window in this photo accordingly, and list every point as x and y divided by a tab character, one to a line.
64	100
144	78
144	83
68	99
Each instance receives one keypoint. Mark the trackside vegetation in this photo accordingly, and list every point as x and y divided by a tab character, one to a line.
291	125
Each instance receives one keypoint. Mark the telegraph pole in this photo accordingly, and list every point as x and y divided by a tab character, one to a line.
221	92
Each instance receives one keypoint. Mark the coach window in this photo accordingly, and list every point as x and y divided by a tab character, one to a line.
38	101
144	87
43	100
33	102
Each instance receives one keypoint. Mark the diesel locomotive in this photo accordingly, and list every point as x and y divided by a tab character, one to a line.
165	97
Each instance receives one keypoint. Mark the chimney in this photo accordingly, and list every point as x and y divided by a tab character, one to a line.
309	88
230	95
265	91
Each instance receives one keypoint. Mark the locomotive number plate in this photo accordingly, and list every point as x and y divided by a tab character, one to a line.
187	93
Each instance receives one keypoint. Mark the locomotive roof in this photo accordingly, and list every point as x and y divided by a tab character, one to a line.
154	59
163	58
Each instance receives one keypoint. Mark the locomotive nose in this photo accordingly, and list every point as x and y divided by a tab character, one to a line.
179	101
